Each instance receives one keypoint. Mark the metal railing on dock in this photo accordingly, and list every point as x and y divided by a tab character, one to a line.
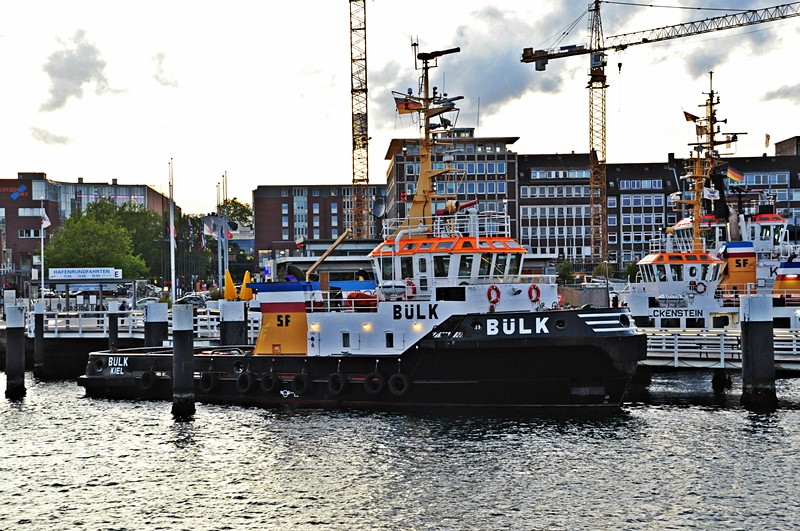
714	349
95	324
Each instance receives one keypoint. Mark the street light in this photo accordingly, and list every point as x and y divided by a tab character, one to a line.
608	295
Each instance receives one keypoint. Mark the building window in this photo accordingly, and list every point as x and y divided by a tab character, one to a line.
316	221
284	208
284	193
284	221
316	208
29	233
30	212
334	233
612	202
315	193
316	234
612	220
335	221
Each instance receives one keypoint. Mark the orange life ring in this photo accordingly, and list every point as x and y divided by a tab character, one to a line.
413	290
700	288
534	289
493	294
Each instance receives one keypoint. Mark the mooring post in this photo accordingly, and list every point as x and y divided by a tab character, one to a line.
113	330
233	324
156	328
758	353
182	360
15	352
38	339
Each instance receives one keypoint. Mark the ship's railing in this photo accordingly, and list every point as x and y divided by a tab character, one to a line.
732	297
670	244
410	289
495	224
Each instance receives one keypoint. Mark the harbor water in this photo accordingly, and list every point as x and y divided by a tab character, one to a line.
675	458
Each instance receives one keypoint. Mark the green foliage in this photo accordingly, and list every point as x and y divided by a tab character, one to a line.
603	270
565	271
237	211
630	271
87	242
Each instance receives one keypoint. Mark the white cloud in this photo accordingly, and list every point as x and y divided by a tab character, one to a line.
163	77
46	137
69	69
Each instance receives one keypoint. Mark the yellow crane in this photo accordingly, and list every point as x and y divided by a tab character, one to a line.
596	49
359	213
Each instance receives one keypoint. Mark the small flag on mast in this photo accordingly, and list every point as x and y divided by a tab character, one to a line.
45	220
735	175
690	117
406	105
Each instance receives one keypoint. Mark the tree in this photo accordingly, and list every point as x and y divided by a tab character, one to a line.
237	211
630	271
602	269
87	242
142	225
565	271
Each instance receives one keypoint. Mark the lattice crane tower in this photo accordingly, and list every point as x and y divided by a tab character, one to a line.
359	214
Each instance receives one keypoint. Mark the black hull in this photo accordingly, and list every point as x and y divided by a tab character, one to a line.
443	372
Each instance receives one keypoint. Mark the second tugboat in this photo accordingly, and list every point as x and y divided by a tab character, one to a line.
452	324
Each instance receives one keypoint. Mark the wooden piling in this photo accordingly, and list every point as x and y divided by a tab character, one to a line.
233	323
15	352
156	328
758	353
182	360
38	339
113	331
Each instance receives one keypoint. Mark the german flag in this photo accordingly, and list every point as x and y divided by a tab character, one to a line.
735	175
405	105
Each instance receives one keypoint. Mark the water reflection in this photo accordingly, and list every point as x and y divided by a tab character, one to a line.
680	459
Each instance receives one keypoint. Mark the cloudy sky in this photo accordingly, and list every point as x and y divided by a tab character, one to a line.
105	90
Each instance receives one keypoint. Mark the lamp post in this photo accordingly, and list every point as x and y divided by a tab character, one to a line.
608	294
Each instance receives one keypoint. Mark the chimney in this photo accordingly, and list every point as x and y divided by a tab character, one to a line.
80	180
114	182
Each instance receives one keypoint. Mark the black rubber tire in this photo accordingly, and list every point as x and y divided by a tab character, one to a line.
270	382
301	384
209	382
245	381
148	380
399	384
374	383
337	383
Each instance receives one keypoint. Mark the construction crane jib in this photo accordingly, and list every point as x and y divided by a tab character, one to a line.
596	49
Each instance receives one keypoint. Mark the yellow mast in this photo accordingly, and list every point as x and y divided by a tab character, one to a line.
420	210
702	162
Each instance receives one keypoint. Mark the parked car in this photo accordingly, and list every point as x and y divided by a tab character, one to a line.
198	301
141	303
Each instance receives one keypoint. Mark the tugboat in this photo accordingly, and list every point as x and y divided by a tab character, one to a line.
694	278
451	324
